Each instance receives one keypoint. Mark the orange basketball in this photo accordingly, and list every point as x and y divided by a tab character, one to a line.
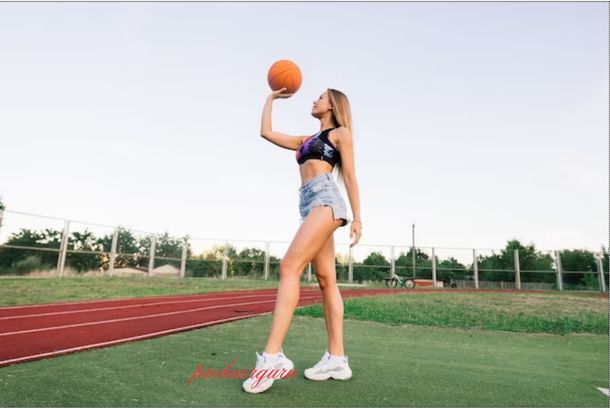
284	74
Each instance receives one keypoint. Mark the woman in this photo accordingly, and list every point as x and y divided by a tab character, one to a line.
322	210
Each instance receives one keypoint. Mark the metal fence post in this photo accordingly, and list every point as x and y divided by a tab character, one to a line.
413	256
115	238
600	269
266	273
559	270
224	260
63	250
433	269
517	270
151	255
475	266
350	268
183	262
392	266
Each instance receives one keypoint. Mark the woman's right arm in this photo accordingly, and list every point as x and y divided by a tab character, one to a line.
277	138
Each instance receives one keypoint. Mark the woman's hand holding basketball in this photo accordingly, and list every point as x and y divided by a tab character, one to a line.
279	94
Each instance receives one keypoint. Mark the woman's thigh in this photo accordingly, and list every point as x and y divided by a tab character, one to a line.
311	236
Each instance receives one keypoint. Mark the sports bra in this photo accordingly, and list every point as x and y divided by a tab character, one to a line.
318	147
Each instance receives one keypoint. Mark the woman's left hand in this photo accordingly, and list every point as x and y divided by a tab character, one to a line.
355	231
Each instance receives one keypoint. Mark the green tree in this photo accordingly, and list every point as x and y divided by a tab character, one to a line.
578	260
128	249
451	268
47	239
403	264
85	241
375	267
209	264
501	267
250	262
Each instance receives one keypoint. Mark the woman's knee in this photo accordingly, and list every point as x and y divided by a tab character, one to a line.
290	269
326	280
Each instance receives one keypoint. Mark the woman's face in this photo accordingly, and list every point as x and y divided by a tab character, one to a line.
321	105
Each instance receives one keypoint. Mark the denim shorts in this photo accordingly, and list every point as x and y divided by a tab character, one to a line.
322	191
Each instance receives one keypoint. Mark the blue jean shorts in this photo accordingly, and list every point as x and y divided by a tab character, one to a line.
322	191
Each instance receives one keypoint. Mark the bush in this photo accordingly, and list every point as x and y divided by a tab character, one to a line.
30	264
590	281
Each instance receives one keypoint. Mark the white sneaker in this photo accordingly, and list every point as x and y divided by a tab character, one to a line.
276	369
327	368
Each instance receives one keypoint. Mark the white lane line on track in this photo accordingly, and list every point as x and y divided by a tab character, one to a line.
139	317
127	306
143	336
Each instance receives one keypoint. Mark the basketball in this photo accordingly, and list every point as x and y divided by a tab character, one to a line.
284	74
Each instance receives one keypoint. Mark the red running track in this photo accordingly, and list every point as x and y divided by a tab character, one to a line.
35	332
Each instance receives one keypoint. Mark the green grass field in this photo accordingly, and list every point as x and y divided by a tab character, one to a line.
424	349
23	291
557	313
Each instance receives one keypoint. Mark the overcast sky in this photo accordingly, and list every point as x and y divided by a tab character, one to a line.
480	122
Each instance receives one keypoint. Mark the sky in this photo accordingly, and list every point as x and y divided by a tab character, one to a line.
477	122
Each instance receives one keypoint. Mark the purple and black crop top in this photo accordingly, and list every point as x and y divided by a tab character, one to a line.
318	147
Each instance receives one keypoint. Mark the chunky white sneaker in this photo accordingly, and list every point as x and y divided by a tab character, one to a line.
266	372
327	368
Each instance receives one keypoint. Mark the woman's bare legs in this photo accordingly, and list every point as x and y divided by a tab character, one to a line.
324	265
313	233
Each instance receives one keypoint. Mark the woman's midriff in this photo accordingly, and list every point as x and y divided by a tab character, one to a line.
313	168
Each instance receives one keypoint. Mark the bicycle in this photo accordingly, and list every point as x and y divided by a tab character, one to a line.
400	281
409	282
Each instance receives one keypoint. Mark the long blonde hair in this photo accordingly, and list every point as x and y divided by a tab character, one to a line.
342	115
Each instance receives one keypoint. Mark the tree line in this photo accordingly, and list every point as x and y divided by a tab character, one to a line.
92	253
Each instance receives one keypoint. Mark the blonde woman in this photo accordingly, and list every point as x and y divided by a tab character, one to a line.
323	210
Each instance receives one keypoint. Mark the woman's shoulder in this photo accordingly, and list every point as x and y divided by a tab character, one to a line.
340	134
340	130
